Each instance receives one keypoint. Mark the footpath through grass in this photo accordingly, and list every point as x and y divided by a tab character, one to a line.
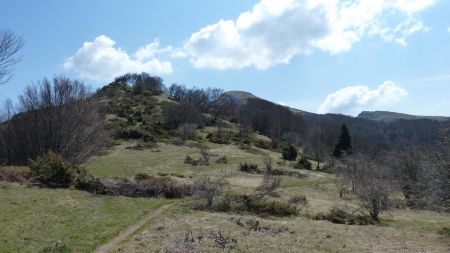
32	219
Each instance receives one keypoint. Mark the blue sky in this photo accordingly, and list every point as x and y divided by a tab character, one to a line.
339	56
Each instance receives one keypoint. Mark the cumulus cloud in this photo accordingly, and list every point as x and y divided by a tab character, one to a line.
275	31
101	60
354	99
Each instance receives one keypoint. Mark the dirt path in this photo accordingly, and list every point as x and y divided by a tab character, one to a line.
113	243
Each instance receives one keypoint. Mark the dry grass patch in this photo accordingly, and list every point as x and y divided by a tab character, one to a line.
297	234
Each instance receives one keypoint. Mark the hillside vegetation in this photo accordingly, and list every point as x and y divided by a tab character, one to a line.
250	176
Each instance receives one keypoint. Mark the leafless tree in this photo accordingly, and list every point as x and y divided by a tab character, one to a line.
10	45
185	132
373	196
315	144
270	182
206	187
269	185
58	115
407	167
437	165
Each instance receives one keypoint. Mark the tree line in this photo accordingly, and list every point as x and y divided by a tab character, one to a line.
60	115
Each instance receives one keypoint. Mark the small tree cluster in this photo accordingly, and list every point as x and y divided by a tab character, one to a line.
142	83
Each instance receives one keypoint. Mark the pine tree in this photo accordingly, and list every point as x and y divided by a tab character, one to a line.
344	142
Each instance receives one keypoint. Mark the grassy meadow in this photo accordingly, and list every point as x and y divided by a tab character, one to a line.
32	219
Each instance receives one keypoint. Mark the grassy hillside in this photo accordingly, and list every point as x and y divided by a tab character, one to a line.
401	229
34	219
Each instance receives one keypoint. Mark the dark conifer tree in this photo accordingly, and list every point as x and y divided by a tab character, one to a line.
344	142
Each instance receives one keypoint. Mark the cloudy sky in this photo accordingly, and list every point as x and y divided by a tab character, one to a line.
340	56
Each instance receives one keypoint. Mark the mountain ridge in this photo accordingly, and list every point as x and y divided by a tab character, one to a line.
241	98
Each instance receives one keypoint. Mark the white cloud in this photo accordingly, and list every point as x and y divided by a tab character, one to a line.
101	60
354	99
275	31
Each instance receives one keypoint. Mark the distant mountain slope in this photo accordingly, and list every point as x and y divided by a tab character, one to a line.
386	116
372	132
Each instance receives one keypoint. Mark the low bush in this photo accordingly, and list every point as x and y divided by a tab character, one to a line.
142	146
202	161
298	200
341	215
303	163
58	247
53	170
142	176
222	138
289	173
269	185
221	160
249	168
151	187
289	153
207	188
263	144
265	206
132	133
445	232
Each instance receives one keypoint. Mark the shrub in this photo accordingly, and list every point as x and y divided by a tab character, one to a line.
269	185
182	245
208	188
340	215
263	144
303	163
373	197
445	232
222	138
58	247
222	160
262	205
298	200
289	173
53	170
249	168
185	132
289	153
134	134
152	187
142	145
142	176
190	160
202	161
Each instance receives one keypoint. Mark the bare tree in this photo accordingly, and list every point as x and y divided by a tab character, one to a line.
407	165
315	145
373	196
58	115
185	132
10	45
437	165
208	188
